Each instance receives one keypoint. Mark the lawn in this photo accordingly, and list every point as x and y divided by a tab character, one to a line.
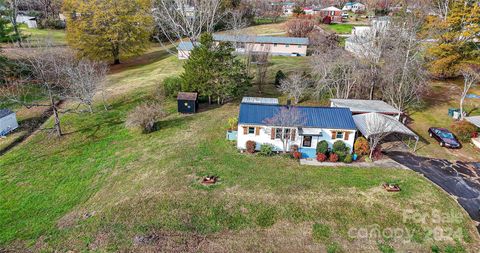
103	187
57	37
339	28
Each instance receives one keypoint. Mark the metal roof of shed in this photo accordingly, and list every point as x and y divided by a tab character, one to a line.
5	112
316	117
375	123
185	46
260	100
474	120
365	106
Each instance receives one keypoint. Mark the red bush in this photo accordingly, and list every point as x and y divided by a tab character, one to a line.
321	157
377	153
333	158
297	155
361	146
251	147
464	130
294	148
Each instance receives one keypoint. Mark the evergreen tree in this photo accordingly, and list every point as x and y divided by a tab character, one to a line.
214	72
279	77
457	39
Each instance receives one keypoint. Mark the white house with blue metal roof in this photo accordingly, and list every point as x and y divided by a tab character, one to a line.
8	121
286	46
319	123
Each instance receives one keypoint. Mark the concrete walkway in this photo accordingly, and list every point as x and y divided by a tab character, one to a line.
384	163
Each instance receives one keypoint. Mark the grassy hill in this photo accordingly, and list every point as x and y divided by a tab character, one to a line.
103	187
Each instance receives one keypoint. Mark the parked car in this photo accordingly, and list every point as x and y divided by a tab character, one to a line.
444	137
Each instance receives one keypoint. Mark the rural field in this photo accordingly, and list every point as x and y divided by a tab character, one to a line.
103	187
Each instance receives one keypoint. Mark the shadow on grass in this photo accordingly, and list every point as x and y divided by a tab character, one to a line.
142	60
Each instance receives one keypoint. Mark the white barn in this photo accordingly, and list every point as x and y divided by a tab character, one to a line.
319	123
8	121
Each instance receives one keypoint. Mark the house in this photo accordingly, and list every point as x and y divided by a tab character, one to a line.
354	6
319	123
287	7
8	121
30	21
361	106
332	13
286	46
361	42
187	102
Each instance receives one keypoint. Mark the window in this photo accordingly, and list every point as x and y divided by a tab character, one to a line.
307	141
339	135
287	45
275	44
251	130
287	133
278	133
261	44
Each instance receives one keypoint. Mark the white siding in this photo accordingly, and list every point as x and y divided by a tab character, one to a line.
265	138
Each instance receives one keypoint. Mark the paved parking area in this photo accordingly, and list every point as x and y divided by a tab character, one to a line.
460	179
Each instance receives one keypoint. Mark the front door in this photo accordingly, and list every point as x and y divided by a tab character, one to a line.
307	141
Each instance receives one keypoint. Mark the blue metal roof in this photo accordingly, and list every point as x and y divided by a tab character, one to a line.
261	39
185	46
5	112
315	117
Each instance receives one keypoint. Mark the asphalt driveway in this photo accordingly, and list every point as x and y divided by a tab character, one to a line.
460	179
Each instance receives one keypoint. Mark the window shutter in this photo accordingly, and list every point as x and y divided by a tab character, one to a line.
346	136
334	135
257	130
273	134
293	133
245	130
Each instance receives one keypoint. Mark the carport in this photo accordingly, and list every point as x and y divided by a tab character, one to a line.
374	124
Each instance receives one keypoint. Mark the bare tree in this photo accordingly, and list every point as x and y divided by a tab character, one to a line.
404	76
286	121
442	7
295	86
178	20
12	9
471	76
300	27
85	79
262	60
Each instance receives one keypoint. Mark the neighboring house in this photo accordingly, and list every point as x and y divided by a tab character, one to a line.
361	42
354	6
8	121
30	21
287	46
319	123
308	11
361	106
287	7
334	13
260	100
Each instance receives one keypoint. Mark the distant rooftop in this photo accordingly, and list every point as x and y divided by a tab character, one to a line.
365	106
331	8
259	100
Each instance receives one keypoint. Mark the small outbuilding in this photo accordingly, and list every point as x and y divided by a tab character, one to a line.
187	102
8	121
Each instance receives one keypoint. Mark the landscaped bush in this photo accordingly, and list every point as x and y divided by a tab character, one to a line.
321	157
322	147
251	147
339	146
266	149
377	153
464	130
348	159
297	155
333	158
294	148
233	123
361	146
172	85
145	116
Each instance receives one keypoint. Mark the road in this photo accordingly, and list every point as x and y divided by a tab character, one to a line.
460	179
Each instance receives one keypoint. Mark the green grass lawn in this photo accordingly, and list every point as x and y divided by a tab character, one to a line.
57	37
103	187
339	28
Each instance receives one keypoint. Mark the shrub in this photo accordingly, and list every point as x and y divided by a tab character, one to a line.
339	146
377	153
297	155
251	147
172	85
361	146
464	130
348	159
322	147
145	116
266	149
233	123
333	158
321	157
294	148
279	77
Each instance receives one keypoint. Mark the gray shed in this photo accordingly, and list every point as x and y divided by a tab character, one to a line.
8	121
